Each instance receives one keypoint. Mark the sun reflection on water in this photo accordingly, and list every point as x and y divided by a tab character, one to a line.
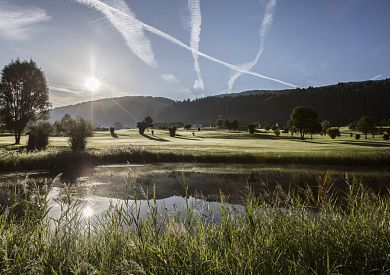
87	211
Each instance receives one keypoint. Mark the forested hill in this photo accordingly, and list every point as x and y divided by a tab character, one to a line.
105	112
340	104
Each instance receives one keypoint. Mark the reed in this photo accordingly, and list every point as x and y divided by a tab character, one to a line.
291	231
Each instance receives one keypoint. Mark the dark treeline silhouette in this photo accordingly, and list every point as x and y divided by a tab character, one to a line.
341	104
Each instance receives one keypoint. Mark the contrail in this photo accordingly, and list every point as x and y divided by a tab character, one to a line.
376	77
129	27
196	23
100	6
265	25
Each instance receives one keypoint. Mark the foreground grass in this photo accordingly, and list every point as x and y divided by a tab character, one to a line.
295	233
206	146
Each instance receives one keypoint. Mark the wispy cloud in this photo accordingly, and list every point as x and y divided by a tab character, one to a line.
63	90
17	22
376	77
170	78
265	25
107	9
196	24
179	89
131	29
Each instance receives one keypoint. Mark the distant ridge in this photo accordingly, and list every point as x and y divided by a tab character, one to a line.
340	103
105	112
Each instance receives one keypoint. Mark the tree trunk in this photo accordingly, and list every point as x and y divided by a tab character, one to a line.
17	137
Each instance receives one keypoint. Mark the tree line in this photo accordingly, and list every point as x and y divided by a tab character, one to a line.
24	102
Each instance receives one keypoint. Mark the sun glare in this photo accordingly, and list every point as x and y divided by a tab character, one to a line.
88	211
92	84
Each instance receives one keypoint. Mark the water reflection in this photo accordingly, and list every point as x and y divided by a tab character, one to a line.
87	211
100	188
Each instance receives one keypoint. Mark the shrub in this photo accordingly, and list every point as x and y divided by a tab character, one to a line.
38	135
141	127
277	132
333	132
231	125
251	128
112	132
172	131
386	136
357	136
79	130
187	127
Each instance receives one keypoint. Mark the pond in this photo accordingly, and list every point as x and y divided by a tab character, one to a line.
99	188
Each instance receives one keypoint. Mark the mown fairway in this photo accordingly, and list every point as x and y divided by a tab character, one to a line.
221	141
205	146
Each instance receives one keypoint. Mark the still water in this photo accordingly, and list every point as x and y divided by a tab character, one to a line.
99	188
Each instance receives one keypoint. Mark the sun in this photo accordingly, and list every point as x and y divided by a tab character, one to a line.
92	84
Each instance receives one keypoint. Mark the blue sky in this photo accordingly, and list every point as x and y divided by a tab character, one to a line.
191	48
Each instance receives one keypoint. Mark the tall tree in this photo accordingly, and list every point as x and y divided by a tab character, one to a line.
24	95
304	120
366	125
149	121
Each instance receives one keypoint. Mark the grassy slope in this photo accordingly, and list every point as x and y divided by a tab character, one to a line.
206	146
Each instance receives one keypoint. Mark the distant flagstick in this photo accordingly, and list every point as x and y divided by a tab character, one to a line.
100	6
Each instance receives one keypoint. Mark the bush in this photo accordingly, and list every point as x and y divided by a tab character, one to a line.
357	136
79	130
277	132
172	131
38	135
333	132
187	127
385	136
112	132
141	127
251	128
231	125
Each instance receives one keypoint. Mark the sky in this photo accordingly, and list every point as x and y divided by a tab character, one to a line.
184	49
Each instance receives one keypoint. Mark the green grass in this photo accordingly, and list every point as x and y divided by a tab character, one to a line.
279	233
206	146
